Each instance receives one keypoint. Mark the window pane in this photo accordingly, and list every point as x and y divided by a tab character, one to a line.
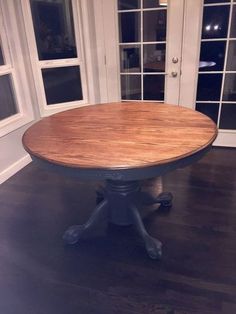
230	87
130	59
62	84
209	86
154	25
7	100
131	87
154	58
154	3
1	56
153	87
228	116
231	60
215	1
129	27
215	21
128	4
212	56
209	109
54	29
233	23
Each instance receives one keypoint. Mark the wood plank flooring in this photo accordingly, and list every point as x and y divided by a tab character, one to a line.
111	273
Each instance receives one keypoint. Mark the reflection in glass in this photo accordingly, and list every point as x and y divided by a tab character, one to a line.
153	87
62	84
233	23
209	86
154	57
129	27
128	4
231	60
212	56
54	29
130	58
1	56
215	21
230	87
209	109
228	117
8	105
154	25
215	1
131	87
155	3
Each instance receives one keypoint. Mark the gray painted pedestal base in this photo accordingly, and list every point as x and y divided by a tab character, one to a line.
119	202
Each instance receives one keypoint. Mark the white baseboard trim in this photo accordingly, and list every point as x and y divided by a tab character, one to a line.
226	139
14	168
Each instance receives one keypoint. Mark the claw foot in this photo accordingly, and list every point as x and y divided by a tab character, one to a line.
165	199
72	234
153	247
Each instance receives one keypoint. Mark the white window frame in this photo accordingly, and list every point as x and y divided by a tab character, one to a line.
14	66
38	65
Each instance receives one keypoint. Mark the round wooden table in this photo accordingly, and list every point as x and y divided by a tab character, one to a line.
121	143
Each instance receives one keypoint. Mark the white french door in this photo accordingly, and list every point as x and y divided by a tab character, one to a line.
149	58
216	88
208	64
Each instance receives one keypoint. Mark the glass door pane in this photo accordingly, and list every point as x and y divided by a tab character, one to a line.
130	24
142	48
128	4
154	3
216	91
154	57
154	25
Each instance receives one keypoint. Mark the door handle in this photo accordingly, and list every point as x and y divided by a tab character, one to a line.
174	74
175	60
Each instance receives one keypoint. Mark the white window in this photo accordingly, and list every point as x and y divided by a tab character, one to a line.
54	36
15	104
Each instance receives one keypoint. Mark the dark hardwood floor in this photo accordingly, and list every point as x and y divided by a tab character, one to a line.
113	274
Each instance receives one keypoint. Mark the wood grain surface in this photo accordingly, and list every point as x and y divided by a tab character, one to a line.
119	135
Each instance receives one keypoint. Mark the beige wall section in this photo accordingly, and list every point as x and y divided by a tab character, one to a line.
13	157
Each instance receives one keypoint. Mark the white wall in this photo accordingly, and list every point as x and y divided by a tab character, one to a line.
13	157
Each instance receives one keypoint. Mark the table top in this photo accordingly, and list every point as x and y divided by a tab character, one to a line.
123	135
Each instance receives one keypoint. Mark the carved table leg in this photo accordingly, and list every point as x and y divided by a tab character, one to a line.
100	194
153	246
118	199
74	233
